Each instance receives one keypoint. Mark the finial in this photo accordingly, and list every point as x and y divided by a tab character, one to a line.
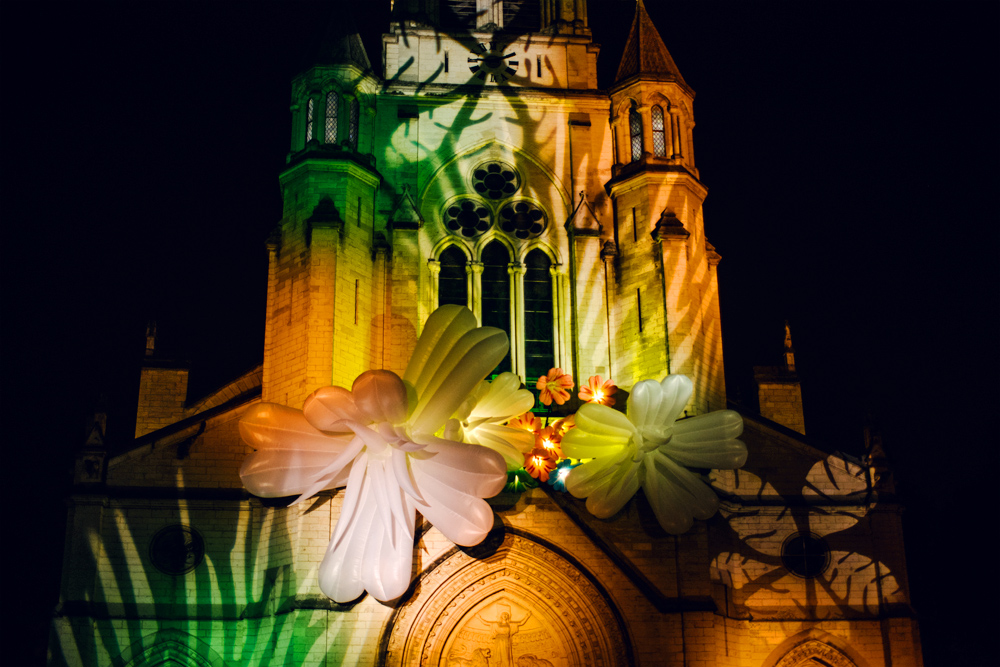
789	350
150	337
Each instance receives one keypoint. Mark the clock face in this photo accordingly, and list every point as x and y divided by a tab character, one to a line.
491	61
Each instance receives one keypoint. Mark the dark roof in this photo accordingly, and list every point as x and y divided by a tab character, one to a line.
645	52
341	43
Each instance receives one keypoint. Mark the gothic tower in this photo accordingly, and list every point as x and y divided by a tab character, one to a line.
489	175
667	288
320	272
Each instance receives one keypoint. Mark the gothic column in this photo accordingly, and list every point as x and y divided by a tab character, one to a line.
516	272
675	134
560	333
434	268
645	112
474	288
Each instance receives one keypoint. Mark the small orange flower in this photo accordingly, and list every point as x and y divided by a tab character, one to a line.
598	390
548	439
525	422
565	424
539	463
554	386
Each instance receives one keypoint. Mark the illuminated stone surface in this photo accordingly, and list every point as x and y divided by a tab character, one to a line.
353	274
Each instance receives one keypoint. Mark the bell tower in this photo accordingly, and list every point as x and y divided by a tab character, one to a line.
665	272
319	297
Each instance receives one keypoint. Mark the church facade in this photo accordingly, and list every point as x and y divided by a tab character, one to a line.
486	169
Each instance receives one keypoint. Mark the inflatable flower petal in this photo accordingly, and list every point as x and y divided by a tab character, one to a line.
292	455
480	419
380	440
648	449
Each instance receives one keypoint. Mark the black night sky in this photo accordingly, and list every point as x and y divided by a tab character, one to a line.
851	155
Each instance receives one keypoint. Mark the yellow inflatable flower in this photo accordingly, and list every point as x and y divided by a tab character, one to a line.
648	449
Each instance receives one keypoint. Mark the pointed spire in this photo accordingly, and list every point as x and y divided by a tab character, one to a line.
645	52
341	44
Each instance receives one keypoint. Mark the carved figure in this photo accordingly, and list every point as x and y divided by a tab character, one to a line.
480	658
530	660
504	629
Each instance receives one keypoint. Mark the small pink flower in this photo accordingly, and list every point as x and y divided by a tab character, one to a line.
598	390
554	386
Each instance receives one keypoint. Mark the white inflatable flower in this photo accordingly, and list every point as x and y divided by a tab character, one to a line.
382	440
480	419
648	449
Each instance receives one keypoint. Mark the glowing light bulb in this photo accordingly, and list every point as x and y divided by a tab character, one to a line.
598	396
563	473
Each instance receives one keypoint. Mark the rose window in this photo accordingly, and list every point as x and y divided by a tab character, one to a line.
522	219
805	555
495	180
467	218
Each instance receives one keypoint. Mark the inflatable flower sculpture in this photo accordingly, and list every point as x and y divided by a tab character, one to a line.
478	420
648	449
396	444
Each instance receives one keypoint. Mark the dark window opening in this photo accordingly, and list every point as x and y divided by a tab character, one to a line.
310	112
638	307
352	135
635	131
496	294
331	117
452	283
539	347
659	135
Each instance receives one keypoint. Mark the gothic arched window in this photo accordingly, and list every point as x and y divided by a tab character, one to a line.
635	132
330	135
496	293
539	347
310	118
659	134
452	283
352	132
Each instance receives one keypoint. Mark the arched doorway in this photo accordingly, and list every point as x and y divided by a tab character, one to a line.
526	604
815	653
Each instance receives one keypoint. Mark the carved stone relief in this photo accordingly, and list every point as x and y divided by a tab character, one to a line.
814	653
524	605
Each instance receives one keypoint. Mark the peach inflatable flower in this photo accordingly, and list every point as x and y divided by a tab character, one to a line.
554	386
381	439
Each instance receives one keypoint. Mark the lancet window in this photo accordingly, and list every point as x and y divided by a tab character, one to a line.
452	281
310	118
352	130
635	133
332	102
515	298
495	281
659	132
539	348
